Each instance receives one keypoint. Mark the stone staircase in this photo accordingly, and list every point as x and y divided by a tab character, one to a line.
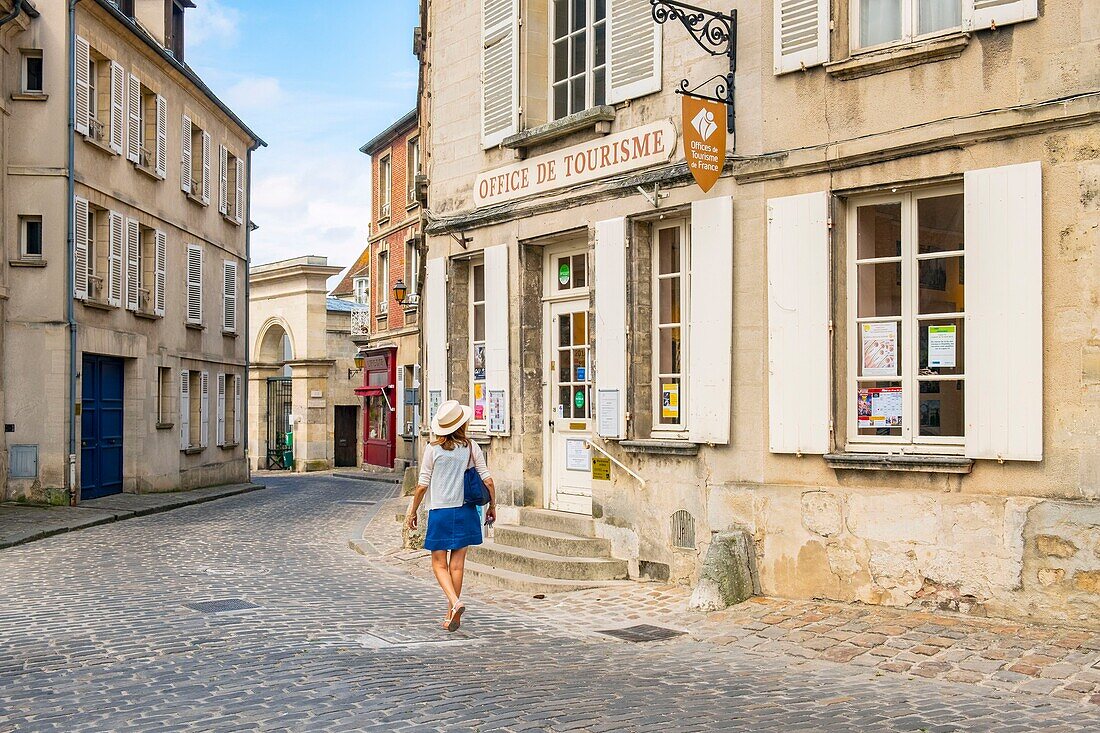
547	552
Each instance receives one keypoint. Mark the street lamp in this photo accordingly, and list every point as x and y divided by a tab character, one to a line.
400	292
358	365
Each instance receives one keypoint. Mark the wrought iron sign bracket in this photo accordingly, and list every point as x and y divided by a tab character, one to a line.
715	33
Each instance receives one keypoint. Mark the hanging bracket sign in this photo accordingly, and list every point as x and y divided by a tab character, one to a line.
704	140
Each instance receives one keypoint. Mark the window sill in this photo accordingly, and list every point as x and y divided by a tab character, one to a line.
29	96
231	219
165	425
149	172
230	334
660	447
229	446
147	315
27	262
895	462
899	57
598	119
198	200
193	451
105	147
195	326
99	304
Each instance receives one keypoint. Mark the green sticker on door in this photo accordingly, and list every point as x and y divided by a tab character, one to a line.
578	399
563	273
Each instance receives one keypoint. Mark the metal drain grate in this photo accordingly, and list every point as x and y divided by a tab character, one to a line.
359	502
223	606
642	632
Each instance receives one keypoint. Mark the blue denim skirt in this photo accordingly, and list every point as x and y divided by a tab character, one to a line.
453	528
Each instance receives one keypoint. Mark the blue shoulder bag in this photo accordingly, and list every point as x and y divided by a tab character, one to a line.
474	490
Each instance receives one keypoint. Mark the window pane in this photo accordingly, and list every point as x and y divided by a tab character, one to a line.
879	289
941	408
601	9
479	283
561	18
565	273
938	15
940	221
565	334
479	323
561	100
580	365
34	73
880	350
879	21
580	16
564	362
580	329
577	54
941	285
561	60
600	46
669	356
879	409
576	95
942	346
878	231
668	300
670	401
579	273
599	88
565	401
669	251
34	238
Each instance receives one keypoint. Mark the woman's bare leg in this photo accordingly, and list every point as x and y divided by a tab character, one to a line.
443	576
458	564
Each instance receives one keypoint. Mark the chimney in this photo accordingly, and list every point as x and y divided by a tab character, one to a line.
150	15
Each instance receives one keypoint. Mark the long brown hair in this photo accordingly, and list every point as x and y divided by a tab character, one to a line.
458	437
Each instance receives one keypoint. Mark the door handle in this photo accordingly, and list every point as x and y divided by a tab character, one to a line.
551	424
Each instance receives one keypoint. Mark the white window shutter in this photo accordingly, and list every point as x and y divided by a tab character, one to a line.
416	405
496	325
223	180
194	284
237	408
238	206
80	248
83	85
399	403
435	326
981	14
221	409
186	164
499	70
161	152
206	167
133	265
1004	312
118	107
204	410
799	374
229	291
133	109
115	252
609	360
185	409
634	52
801	34
710	324
160	276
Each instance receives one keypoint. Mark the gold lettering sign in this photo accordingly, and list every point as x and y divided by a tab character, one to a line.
704	140
601	468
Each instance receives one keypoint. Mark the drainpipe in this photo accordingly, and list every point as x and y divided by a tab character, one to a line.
16	11
70	264
247	300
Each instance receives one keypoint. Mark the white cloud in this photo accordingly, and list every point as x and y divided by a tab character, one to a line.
212	22
253	93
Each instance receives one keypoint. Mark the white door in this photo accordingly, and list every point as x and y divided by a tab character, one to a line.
569	421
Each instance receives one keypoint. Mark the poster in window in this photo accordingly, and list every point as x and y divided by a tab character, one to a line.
577	456
670	401
879	407
479	401
496	411
880	349
941	346
479	362
607	413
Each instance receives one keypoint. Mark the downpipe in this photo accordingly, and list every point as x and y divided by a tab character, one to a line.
70	265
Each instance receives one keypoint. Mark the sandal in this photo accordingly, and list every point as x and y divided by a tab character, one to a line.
455	619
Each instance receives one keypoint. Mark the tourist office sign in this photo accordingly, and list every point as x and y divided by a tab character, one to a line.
704	140
622	152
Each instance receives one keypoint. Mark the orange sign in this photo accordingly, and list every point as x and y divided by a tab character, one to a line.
704	140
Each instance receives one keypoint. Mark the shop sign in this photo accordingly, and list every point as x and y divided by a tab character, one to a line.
608	156
704	140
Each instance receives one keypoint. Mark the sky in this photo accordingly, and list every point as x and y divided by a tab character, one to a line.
315	80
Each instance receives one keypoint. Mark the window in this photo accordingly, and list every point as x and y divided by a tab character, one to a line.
477	340
231	186
151	274
229	407
33	79
229	295
670	268
127	7
194	409
384	185
361	290
194	284
148	128
30	247
100	98
906	305
412	161
383	282
572	271
175	40
164	396
195	161
579	55
880	22
412	268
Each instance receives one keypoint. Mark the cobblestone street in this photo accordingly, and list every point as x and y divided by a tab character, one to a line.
96	636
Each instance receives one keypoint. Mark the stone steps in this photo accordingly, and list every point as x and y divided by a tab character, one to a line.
551	542
574	524
524	583
544	565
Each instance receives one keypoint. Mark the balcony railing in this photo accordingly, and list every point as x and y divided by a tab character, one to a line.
360	321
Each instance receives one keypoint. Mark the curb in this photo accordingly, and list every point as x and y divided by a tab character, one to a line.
382	478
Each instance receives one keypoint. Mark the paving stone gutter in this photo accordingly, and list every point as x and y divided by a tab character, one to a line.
21	523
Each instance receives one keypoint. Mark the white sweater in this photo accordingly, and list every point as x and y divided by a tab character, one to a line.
442	470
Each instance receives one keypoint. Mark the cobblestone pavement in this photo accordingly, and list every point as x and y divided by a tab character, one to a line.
95	636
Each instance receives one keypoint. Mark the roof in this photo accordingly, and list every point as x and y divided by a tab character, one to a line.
347	282
181	67
339	306
383	138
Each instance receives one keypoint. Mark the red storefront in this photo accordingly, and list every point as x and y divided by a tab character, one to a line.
379	393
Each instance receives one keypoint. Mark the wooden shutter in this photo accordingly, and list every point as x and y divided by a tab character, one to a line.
83	85
1004	312
981	14
801	34
194	284
205	167
223	180
496	325
204	410
799	374
399	402
161	152
186	164
229	290
118	107
221	409
499	70
238	206
80	248
115	252
710	324
634	52
185	409
237	408
609	360
160	276
133	108
133	265
435	326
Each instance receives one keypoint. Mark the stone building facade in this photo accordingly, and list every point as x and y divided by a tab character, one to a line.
791	353
126	232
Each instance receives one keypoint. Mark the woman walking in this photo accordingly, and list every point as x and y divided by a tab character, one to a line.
452	525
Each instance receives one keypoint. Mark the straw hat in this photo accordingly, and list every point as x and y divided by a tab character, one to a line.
450	417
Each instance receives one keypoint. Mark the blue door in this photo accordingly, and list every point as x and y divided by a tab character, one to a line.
101	427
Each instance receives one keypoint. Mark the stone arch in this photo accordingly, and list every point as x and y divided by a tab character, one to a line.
270	347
